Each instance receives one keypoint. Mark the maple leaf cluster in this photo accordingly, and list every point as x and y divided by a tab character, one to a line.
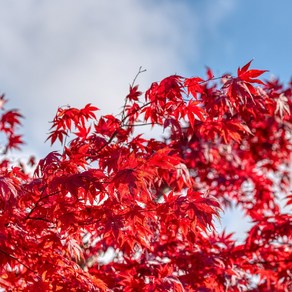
114	211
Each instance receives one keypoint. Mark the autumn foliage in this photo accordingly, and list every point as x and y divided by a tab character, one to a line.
116	211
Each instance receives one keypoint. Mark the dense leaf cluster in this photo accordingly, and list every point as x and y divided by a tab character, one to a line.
114	211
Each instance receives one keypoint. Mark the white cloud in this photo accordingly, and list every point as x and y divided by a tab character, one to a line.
73	52
233	220
216	12
67	52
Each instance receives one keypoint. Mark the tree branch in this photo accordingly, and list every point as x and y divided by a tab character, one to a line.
20	262
38	202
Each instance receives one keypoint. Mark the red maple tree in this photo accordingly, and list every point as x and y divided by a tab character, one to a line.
151	203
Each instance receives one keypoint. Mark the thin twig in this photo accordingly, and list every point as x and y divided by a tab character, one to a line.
132	85
139	72
122	125
39	218
19	261
144	124
38	202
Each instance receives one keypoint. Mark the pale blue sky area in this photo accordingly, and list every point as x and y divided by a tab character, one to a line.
259	29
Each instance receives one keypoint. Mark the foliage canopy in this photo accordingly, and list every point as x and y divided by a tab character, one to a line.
227	141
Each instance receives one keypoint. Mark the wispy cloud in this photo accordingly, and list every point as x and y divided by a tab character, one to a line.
216	12
62	52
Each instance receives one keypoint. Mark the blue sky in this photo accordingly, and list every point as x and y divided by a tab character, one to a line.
60	52
259	29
